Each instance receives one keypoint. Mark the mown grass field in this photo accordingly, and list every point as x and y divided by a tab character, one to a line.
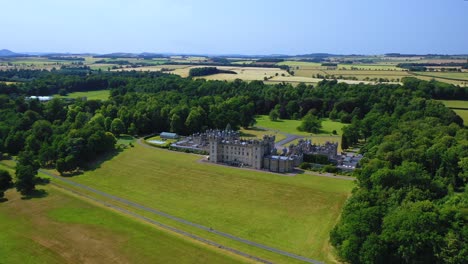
290	126
90	95
453	75
259	133
464	115
62	228
289	213
455	103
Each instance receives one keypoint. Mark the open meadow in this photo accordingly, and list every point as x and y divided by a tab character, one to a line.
455	104
290	126
255	132
463	114
90	95
292	213
458	106
64	228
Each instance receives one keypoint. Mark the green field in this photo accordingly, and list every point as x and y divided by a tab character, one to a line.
464	115
290	126
62	228
259	133
372	72
455	103
460	107
289	213
450	75
90	95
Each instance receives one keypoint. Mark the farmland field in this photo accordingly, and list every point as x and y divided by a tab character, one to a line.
453	75
289	213
62	228
90	95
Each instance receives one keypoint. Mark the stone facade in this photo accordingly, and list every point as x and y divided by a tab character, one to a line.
227	147
239	152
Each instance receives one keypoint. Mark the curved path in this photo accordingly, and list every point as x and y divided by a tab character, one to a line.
283	142
180	220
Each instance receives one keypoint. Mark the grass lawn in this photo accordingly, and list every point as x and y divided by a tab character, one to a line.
289	213
464	115
90	95
62	228
455	103
125	139
290	126
259	133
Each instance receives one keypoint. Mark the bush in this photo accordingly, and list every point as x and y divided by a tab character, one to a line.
330	169
304	165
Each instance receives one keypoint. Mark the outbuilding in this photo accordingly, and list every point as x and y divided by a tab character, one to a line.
168	135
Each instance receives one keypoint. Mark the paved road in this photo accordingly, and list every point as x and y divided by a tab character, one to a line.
282	143
177	219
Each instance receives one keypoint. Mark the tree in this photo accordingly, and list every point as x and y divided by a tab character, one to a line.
5	182
310	123
274	115
26	172
132	130
117	126
195	120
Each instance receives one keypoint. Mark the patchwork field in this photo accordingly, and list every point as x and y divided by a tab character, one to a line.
62	228
90	95
290	213
372	72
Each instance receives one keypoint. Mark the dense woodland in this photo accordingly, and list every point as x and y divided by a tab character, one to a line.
410	203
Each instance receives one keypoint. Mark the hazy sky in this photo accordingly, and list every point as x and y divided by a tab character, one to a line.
235	26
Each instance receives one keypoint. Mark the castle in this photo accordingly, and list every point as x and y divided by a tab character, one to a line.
227	147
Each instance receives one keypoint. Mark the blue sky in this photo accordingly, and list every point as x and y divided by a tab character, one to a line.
236	27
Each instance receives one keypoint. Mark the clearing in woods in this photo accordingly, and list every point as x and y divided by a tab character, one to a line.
90	95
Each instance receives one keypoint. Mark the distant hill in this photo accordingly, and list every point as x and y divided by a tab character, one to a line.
6	53
9	53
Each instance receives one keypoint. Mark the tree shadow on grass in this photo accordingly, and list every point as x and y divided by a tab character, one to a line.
255	129
35	194
96	164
